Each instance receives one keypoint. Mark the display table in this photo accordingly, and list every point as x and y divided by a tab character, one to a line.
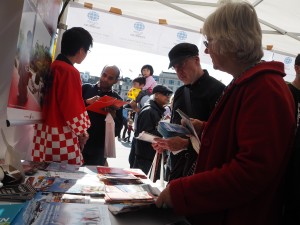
144	216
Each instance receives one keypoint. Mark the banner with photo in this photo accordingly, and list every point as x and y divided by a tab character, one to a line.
127	32
32	60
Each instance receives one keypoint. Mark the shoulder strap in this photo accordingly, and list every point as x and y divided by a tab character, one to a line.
188	104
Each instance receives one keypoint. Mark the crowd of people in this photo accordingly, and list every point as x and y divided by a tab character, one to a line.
246	168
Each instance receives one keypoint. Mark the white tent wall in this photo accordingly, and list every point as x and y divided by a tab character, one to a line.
281	15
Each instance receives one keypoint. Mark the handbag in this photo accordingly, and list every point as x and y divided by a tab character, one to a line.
109	146
184	165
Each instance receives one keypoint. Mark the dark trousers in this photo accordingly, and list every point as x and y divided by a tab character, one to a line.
143	164
132	153
125	124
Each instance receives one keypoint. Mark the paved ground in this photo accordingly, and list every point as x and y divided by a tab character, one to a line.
122	152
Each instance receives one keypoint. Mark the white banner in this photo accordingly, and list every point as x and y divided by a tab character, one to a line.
131	33
289	63
268	55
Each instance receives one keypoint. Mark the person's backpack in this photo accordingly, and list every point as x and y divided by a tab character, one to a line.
141	95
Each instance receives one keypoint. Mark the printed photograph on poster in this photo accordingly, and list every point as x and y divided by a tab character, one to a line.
33	59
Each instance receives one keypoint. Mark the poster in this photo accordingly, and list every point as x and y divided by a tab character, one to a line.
32	60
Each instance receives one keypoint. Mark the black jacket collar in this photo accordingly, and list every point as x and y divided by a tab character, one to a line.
63	58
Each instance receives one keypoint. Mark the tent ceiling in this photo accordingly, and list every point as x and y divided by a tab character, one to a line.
279	19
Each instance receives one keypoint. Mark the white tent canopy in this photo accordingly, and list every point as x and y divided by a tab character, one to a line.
279	19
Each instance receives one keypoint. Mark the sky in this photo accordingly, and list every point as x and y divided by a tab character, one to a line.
130	62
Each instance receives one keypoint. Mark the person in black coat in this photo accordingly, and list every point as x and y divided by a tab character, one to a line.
196	98
147	121
93	152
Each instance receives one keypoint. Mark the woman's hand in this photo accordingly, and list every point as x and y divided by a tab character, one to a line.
171	144
164	199
92	100
198	125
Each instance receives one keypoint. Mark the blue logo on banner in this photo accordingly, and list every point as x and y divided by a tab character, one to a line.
181	35
287	60
93	16
139	26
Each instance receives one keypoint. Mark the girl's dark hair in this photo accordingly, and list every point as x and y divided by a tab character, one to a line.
149	67
75	38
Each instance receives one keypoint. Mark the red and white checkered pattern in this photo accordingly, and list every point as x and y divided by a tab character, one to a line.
59	144
80	124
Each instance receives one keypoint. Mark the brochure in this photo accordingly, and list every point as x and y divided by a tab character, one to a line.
8	212
168	130
73	186
145	136
65	198
40	183
104	102
103	170
128	197
194	138
62	167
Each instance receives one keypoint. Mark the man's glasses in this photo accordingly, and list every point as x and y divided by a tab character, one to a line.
205	43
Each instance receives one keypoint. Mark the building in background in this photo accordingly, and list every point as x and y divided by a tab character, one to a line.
167	79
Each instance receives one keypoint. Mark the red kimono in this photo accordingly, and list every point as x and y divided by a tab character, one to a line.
65	118
245	147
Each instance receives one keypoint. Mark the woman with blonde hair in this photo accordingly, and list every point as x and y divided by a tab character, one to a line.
245	144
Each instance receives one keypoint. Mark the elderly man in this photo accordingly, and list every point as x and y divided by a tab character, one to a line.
197	98
147	121
93	152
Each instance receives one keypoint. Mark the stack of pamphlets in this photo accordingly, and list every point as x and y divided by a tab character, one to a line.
168	130
17	192
104	170
113	176
128	198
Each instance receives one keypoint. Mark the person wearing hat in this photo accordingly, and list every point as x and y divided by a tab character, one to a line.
147	121
197	98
